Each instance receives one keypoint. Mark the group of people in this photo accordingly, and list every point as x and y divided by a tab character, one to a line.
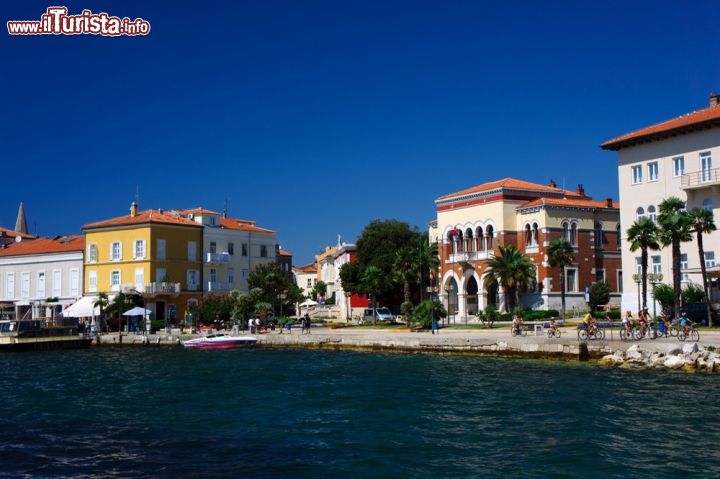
645	321
257	325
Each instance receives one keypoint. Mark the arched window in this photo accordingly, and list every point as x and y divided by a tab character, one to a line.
652	214
598	235
566	230
707	204
573	234
468	240
528	236
459	242
535	234
639	213
489	240
479	237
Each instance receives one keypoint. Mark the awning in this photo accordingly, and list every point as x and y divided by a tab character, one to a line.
137	311
82	308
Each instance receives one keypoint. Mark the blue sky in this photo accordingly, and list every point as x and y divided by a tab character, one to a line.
315	117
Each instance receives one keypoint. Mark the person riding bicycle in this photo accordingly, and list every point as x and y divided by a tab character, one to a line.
553	326
685	322
517	324
644	320
627	322
589	322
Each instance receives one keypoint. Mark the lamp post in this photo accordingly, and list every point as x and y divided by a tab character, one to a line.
655	279
282	297
348	306
450	289
636	277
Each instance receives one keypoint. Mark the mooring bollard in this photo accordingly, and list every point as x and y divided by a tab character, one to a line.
584	352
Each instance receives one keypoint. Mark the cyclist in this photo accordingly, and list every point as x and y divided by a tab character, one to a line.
589	322
644	320
517	323
553	326
685	322
627	322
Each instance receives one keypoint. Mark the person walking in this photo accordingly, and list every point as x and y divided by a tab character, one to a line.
306	323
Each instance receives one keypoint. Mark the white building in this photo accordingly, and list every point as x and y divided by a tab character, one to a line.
231	249
38	274
672	158
351	306
306	277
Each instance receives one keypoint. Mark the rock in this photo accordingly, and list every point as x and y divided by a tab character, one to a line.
701	364
608	360
690	348
673	349
658	362
674	362
710	365
633	353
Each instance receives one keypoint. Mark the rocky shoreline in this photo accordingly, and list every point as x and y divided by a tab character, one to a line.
689	358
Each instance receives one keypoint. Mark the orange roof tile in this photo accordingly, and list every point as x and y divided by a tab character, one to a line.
569	202
15	234
285	253
59	244
242	225
308	268
198	211
144	217
701	118
511	183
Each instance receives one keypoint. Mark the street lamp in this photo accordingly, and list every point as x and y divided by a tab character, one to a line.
282	297
655	279
450	289
636	277
348	306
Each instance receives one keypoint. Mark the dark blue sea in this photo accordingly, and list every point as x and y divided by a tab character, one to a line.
139	413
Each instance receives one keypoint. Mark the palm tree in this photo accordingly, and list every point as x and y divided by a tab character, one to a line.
425	259
405	271
702	222
643	235
561	254
372	280
674	225
512	270
101	302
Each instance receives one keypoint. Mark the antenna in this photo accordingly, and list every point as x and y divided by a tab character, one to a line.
225	208
137	194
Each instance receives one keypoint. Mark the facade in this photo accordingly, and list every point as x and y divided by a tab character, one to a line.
472	223
155	253
306	277
39	274
231	249
672	158
353	305
284	260
326	269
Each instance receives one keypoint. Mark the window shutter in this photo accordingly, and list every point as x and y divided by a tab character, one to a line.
144	248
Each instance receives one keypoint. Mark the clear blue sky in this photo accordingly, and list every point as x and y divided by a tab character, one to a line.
314	117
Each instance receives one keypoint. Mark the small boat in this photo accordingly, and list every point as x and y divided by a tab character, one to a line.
36	334
220	341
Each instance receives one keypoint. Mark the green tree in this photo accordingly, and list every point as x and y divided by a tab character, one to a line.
665	295
561	255
512	270
599	294
350	276
271	281
425	260
702	222
489	315
692	293
101	302
216	307
372	283
426	311
405	271
243	305
674	225
643	236
320	289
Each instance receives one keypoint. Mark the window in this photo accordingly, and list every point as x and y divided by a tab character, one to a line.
231	276
115	280
709	259
639	213
10	286
636	175
57	283
598	236
638	265
75	282
139	249
706	172
263	251
192	279
599	275
678	166
571	280
161	249
566	230
708	205
652	214
244	249
92	253
140	279
656	266
231	249
92	281
653	171
573	234
213	247
213	221
683	266
528	236
40	286
534	234
213	275
191	251
161	275
619	281
116	251
25	285
309	285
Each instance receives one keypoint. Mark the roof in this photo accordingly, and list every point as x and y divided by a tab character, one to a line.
704	118
242	225
59	244
15	234
198	211
285	253
568	202
144	217
308	268
510	183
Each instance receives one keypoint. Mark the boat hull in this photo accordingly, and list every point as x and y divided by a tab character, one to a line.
45	345
224	344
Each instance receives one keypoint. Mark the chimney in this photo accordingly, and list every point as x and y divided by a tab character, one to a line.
581	190
552	184
714	99
608	202
133	209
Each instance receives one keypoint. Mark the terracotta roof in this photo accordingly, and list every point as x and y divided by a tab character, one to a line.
198	211
285	253
15	234
511	183
242	225
702	118
144	217
59	244
568	202
308	268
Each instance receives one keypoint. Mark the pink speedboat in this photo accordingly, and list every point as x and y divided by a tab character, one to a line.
220	341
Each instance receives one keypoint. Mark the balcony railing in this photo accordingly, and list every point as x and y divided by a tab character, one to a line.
152	289
467	256
216	286
700	179
217	257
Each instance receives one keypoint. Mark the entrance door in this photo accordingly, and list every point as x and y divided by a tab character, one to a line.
160	310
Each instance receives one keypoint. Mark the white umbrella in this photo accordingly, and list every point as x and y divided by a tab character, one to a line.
308	302
137	311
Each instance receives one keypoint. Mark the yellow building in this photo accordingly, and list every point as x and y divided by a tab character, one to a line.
155	253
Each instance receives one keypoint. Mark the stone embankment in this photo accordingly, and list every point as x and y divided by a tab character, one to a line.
689	357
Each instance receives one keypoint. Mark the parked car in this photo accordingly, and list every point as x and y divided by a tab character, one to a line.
381	314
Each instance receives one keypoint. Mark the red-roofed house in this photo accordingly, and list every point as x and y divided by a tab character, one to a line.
677	157
38	274
472	223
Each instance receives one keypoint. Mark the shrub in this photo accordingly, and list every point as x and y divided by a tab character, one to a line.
692	293
424	313
664	296
599	294
488	315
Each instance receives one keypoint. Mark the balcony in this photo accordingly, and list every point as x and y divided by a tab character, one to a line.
217	287
700	179
467	256
157	289
217	258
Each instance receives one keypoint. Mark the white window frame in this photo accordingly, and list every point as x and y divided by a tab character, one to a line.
113	286
571	288
10	286
74	282
140	274
707	204
57	285
231	276
25	284
119	251
705	167
684	277
638	265
678	166
653	165
639	213
652	215
40	284
143	249
709	259
656	266
92	281
213	275
636	174
93	253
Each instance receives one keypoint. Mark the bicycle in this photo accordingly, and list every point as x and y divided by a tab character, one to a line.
519	331
596	333
693	334
626	335
553	333
639	333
